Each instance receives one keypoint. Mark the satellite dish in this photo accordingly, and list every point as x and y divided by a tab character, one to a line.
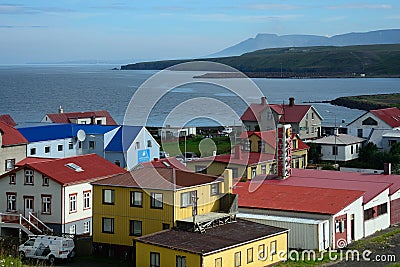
81	135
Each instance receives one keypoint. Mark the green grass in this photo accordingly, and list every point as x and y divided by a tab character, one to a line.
9	261
326	258
380	240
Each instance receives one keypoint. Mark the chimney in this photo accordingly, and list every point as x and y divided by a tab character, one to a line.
387	168
263	101
238	152
60	109
227	180
291	101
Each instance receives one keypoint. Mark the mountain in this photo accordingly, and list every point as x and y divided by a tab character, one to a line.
263	41
313	61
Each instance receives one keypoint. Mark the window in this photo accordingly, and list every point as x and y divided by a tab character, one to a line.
156	200
180	261
118	163
273	247
235	172
60	148
369	214
369	121
357	148
47	149
360	133
340	226
253	172
351	149
86	227
46	204
86	200
249	255
187	198
135	228
46	180
99	121
72	229
334	150
149	144
391	142
261	146
11	201
136	199
247	145
72	203
215	189
29	177
70	145
218	262
137	145
13	180
10	164
382	209
263	169
312	116
261	251
108	225
92	144
154	259
33	151
238	259
108	196
80	144
165	226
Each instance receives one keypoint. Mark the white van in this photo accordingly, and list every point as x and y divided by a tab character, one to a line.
47	248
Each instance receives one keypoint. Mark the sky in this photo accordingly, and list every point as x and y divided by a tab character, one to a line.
129	31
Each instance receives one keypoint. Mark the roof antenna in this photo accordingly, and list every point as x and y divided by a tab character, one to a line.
60	109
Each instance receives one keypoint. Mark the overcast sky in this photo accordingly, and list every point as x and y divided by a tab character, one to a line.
46	31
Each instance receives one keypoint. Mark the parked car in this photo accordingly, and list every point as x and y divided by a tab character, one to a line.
47	248
188	156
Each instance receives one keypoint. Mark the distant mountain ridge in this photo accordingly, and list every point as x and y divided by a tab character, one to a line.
263	41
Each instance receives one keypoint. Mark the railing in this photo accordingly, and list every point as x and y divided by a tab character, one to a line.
44	228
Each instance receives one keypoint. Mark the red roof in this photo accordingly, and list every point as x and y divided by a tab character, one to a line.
289	113
11	136
294	198
66	117
31	160
247	158
300	144
329	180
6	118
163	163
157	178
94	167
389	115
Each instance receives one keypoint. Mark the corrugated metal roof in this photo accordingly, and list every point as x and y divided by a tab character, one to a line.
265	195
94	167
11	136
389	115
123	138
61	131
7	119
340	139
278	218
170	162
214	239
67	117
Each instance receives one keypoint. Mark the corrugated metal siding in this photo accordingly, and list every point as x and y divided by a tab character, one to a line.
395	211
303	236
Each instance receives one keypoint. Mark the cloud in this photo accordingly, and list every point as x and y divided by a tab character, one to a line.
15	9
271	7
19	26
247	18
361	6
331	19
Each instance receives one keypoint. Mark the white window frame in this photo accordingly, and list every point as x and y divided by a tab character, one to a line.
72	203
86	199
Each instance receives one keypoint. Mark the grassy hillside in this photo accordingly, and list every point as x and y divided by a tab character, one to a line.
373	60
368	102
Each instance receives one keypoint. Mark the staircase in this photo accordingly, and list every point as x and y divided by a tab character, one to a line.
31	225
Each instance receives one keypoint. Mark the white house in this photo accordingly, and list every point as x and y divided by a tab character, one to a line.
378	119
317	218
56	191
130	146
12	147
340	147
126	146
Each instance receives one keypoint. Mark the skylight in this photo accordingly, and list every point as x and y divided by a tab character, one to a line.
74	167
166	164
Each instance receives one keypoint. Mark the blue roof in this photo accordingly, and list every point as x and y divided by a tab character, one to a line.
60	131
123	139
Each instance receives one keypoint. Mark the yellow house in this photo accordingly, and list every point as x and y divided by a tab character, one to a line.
240	243
148	200
299	152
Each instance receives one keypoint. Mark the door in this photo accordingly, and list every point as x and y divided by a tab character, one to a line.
352	227
28	205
